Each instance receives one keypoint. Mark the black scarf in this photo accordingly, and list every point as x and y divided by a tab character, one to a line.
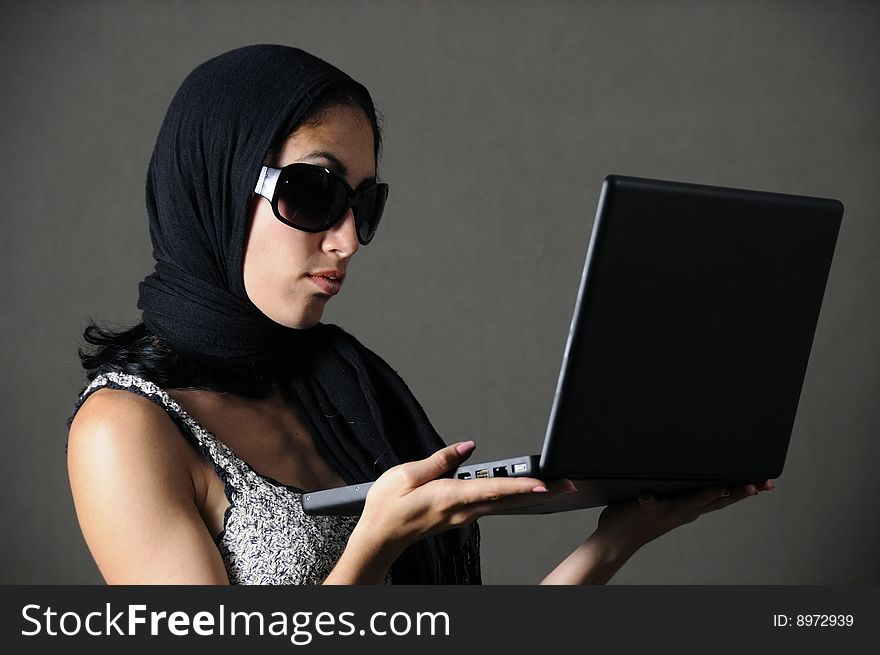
215	136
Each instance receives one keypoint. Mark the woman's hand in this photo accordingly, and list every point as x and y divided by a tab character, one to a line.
628	525
411	501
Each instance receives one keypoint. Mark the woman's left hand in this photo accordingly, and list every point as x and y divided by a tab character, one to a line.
628	525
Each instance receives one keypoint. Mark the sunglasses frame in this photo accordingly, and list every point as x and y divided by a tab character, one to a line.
267	186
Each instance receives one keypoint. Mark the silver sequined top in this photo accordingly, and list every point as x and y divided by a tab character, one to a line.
266	537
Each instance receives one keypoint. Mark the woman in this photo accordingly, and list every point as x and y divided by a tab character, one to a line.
261	188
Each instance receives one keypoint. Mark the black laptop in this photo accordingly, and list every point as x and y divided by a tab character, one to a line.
687	349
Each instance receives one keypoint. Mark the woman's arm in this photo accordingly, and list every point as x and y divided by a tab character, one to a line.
593	562
132	484
365	560
626	526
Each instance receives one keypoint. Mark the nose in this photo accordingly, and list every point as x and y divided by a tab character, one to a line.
342	237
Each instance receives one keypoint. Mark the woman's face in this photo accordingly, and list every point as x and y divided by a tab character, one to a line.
279	260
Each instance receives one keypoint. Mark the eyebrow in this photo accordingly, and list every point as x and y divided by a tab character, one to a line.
335	164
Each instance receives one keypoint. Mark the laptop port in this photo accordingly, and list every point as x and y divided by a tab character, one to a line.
483	473
519	468
499	472
464	476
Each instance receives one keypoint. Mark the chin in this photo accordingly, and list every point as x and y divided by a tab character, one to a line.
301	320
294	312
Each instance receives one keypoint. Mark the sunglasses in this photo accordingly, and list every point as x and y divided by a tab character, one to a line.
313	199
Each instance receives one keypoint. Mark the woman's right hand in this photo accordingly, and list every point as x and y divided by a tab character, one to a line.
411	501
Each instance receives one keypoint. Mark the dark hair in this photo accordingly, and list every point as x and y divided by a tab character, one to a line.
135	350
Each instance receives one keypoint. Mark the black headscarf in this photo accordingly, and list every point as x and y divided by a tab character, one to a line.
215	137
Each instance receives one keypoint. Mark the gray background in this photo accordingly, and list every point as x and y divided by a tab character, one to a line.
501	120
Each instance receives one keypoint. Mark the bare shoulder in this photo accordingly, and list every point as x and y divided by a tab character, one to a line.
107	407
128	430
131	477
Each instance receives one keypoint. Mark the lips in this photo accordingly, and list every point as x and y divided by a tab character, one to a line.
333	273
326	284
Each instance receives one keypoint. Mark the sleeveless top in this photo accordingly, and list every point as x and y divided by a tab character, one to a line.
266	536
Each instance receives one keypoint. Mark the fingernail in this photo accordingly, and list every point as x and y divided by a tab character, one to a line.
771	485
539	489
725	493
465	447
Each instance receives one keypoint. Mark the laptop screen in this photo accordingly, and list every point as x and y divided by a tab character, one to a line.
692	332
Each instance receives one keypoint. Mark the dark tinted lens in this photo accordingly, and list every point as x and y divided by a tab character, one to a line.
309	197
369	212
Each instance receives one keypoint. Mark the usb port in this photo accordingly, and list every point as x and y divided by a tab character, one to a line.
499	472
483	473
519	468
464	476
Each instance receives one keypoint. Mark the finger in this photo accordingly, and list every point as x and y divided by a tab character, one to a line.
695	501
753	489
735	496
444	460
489	490
496	503
475	498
